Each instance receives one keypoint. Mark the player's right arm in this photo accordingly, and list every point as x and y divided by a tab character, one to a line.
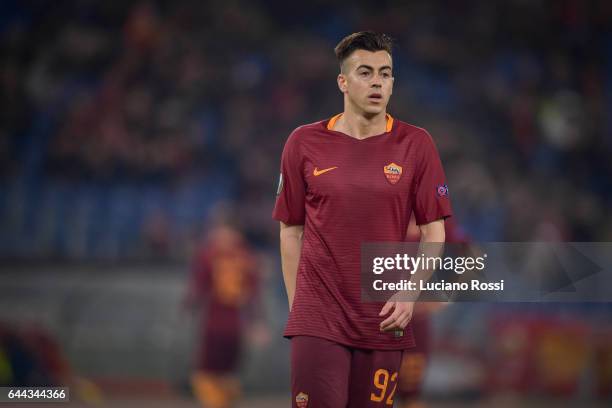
290	248
290	211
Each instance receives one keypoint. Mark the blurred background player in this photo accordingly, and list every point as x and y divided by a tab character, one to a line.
224	282
30	356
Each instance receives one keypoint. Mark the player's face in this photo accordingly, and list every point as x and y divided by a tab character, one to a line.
367	80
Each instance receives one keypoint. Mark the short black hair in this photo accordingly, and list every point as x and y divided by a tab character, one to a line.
363	40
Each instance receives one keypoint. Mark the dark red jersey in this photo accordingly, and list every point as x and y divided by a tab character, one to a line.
346	192
225	281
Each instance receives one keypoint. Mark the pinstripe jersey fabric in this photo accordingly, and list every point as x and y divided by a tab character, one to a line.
347	191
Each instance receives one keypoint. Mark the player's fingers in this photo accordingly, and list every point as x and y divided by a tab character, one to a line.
403	318
407	315
390	327
387	322
395	325
404	322
391	320
386	308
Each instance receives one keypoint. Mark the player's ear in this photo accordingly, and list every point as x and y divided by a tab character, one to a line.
342	82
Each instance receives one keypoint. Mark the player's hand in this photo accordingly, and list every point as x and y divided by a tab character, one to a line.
399	319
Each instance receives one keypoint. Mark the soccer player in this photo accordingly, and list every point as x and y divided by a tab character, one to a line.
353	178
224	281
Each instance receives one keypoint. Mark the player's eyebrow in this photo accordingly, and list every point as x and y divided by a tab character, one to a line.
372	69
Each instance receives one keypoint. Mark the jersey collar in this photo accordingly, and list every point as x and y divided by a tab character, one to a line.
333	120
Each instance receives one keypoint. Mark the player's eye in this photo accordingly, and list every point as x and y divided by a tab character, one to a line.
364	73
386	75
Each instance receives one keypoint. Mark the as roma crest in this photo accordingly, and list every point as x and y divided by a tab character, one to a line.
301	400
393	172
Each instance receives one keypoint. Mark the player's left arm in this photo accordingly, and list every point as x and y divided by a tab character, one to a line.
431	206
432	232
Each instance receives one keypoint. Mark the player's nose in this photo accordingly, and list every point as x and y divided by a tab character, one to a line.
376	81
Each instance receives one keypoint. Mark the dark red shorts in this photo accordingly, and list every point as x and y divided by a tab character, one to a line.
220	353
325	374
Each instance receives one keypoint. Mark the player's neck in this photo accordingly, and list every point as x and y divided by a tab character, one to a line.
359	126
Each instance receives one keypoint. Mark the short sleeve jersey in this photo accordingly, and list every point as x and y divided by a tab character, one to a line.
346	192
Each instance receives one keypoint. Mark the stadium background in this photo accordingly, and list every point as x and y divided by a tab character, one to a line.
124	124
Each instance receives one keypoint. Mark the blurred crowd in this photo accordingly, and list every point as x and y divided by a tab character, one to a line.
124	123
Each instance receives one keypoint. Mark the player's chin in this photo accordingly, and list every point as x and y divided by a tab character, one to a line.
374	109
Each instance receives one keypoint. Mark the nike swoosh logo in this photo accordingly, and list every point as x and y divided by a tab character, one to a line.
317	172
